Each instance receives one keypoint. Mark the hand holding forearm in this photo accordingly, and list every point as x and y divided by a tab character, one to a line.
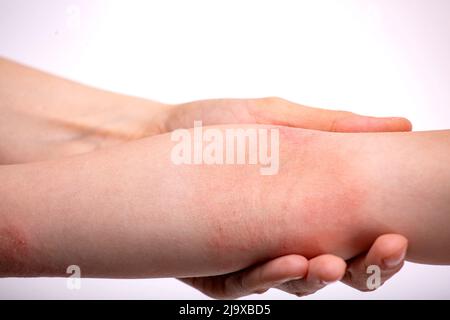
115	213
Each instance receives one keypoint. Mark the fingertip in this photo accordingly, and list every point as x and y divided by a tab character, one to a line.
295	266
388	251
401	124
359	123
285	268
388	124
408	124
327	268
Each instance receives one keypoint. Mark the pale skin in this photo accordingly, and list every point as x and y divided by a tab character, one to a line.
113	210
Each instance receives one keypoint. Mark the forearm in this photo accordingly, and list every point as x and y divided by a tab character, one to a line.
128	211
50	117
121	212
410	175
342	191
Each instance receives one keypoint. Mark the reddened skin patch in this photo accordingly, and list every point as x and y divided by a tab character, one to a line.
13	251
311	207
20	257
325	195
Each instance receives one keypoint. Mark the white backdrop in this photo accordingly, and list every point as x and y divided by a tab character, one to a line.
386	57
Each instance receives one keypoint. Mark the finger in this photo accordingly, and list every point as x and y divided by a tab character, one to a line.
256	279
260	278
277	111
387	253
282	112
322	270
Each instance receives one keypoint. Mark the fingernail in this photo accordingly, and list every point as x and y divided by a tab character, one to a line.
288	279
295	278
325	283
395	260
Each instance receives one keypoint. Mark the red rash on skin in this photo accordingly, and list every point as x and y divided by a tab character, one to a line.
312	206
331	218
17	257
13	251
326	198
232	239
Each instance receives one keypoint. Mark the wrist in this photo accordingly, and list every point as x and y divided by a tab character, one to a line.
410	179
325	193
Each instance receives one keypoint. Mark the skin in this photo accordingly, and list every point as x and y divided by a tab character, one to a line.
92	119
322	201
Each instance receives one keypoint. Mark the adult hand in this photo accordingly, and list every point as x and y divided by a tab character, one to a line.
293	273
93	119
275	111
296	275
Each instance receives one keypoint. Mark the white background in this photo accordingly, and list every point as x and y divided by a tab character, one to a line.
388	57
